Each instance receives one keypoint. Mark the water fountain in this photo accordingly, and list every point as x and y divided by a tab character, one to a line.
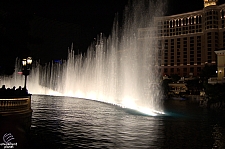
121	69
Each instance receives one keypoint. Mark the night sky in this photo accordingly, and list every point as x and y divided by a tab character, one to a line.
44	29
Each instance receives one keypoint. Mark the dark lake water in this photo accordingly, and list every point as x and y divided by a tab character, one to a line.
64	122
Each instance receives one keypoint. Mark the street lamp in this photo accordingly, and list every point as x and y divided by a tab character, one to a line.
26	66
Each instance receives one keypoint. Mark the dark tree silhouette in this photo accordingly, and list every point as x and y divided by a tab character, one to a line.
207	72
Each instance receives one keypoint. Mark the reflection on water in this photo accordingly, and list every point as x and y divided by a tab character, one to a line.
193	127
63	122
70	122
218	137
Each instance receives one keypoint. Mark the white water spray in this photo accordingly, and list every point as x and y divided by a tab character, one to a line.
121	69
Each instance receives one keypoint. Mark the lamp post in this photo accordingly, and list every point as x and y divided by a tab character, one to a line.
26	66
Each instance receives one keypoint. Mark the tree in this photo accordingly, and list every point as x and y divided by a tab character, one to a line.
175	77
207	72
195	86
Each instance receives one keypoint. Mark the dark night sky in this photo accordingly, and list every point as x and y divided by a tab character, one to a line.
49	27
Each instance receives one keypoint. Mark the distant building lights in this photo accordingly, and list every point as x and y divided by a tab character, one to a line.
209	3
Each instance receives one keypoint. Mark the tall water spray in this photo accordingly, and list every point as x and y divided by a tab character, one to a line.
122	69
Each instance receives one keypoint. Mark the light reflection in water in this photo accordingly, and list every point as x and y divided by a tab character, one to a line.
93	124
219	138
71	122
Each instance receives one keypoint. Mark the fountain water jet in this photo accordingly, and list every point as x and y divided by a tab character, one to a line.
122	69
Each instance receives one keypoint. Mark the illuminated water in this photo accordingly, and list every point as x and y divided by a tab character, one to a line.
63	122
122	69
68	123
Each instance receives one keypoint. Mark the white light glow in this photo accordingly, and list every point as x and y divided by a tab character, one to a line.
129	103
119	70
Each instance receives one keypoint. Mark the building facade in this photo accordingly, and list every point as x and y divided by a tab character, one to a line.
187	41
220	64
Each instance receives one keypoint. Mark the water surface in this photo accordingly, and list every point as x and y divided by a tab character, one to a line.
64	122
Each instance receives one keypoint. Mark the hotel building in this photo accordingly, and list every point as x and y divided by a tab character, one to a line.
187	41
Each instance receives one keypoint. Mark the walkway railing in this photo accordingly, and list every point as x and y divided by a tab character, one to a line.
15	104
